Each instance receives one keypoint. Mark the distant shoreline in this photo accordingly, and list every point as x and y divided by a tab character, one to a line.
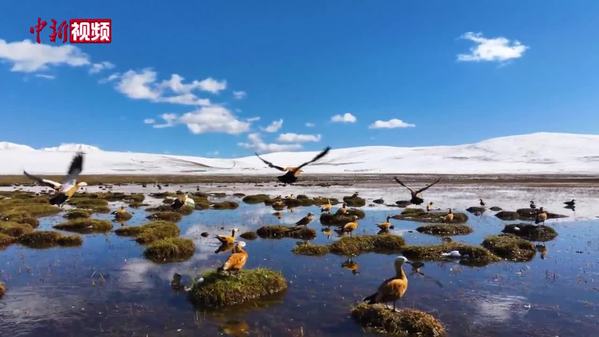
557	180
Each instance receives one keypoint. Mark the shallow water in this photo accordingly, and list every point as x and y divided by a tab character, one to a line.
107	288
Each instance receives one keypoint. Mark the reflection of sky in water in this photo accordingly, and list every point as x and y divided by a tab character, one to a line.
107	288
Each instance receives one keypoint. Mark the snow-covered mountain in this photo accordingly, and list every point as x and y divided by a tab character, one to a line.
538	153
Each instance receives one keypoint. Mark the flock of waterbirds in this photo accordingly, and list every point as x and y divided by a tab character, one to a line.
389	291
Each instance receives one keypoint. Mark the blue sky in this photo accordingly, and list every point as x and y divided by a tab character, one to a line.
525	67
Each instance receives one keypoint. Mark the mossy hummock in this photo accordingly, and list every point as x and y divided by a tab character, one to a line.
401	323
85	225
150	232
420	215
249	235
352	201
166	216
77	213
47	239
531	232
339	218
94	204
256	198
470	255
510	247
305	248
2	289
445	229
14	229
219	290
355	245
279	232
225	205
170	250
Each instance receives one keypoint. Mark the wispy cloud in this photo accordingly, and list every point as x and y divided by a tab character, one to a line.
499	49
100	66
45	76
28	57
256	143
297	138
393	123
345	118
149	121
274	126
239	94
206	119
310	125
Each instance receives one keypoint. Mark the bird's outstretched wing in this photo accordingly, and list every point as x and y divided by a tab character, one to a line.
402	184
428	186
75	168
270	164
318	157
41	181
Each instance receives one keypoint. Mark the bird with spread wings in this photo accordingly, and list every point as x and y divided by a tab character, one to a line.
291	173
69	185
416	198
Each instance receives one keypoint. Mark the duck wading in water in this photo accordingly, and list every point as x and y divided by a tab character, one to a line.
291	173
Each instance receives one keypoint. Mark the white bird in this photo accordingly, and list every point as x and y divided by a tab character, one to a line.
453	254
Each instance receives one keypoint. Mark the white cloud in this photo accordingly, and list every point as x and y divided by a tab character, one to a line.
169	119
26	56
256	143
149	121
497	49
391	124
239	94
310	125
345	118
274	126
213	118
143	85
253	119
45	76
297	138
211	85
98	67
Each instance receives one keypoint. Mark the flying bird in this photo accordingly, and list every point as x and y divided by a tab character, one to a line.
65	190
391	289
416	194
570	203
291	173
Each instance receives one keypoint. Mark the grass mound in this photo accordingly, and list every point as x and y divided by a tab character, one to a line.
279	232
354	201
77	213
170	250
355	245
530	214
445	229
25	208
47	239
471	255
323	200
85	225
402	323
476	210
150	232
249	235
310	249
531	232
6	240
339	219
20	217
2	289
225	205
508	215
219	290
94	204
510	247
419	215
166	216
122	216
14	229
256	198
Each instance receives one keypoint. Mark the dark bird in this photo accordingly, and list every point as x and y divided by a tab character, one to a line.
482	203
183	199
65	190
532	204
391	289
237	260
305	220
416	194
570	203
291	173
541	216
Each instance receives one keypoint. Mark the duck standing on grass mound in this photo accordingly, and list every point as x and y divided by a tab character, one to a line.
385	226
416	195
228	239
291	173
532	204
429	207
350	227
343	209
236	261
305	220
326	207
393	288
449	216
183	199
69	185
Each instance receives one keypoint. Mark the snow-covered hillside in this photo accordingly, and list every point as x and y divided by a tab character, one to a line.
538	153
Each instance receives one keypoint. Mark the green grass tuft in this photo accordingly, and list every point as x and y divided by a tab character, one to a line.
445	229
471	255
165	216
219	290
47	239
6	240
510	247
225	205
310	249
279	232
85	225
151	231
14	229
256	198
170	250
92	203
77	213
355	245
419	215
401	323
531	232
